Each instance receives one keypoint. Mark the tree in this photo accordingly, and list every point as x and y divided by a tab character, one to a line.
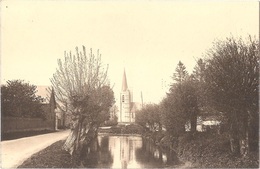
199	70
232	76
149	115
19	99
82	90
180	105
198	77
180	74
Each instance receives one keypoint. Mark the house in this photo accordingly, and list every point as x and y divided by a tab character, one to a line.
49	105
207	123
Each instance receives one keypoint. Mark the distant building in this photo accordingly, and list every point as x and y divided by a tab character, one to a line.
49	106
128	108
208	123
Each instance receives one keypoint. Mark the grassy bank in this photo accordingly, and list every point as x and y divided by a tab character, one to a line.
123	129
204	150
51	157
207	150
54	157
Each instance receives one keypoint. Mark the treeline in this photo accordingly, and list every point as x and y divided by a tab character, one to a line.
19	99
223	85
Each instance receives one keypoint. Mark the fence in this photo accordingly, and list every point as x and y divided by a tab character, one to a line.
17	124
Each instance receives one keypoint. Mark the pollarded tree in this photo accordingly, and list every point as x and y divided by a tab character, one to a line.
19	99
82	91
232	80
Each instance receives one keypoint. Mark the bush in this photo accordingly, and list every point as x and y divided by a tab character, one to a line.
111	123
115	129
211	150
132	129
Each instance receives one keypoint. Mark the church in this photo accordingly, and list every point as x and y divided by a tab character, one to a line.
128	108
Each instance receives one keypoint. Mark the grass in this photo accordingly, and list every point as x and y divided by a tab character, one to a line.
207	150
51	157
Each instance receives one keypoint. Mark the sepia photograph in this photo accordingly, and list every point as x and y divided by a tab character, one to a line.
129	84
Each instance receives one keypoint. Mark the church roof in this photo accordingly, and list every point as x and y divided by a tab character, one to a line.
124	84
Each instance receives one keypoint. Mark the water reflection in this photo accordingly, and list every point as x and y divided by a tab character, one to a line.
126	152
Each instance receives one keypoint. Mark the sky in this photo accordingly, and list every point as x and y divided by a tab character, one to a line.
146	38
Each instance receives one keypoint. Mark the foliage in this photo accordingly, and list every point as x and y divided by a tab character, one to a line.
132	129
149	115
231	76
207	150
198	76
180	74
19	99
180	105
111	122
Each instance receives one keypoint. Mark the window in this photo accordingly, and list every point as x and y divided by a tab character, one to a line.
123	98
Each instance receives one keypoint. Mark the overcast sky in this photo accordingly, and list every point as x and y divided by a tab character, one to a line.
147	38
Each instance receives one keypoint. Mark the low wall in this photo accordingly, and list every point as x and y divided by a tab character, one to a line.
17	124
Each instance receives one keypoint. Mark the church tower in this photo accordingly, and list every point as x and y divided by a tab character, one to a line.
125	101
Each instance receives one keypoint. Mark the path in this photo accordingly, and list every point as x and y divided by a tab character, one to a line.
14	152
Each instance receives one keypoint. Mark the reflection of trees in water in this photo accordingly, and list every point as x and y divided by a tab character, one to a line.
96	155
154	155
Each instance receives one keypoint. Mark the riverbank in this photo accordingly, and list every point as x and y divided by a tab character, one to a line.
205	150
51	157
201	150
131	129
212	150
107	152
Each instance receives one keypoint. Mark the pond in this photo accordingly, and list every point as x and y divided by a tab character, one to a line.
127	152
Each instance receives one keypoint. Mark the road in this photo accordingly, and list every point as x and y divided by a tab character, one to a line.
14	152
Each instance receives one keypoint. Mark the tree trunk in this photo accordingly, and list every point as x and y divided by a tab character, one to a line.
160	127
233	138
193	122
234	144
253	132
243	136
244	147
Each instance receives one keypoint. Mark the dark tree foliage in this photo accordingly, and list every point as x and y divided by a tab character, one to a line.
180	106
180	74
149	116
232	79
19	99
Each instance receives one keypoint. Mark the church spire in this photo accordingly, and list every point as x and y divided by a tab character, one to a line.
124	84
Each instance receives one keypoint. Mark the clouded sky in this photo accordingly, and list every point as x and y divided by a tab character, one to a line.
147	38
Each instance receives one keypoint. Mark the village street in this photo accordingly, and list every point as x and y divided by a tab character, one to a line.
14	152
